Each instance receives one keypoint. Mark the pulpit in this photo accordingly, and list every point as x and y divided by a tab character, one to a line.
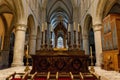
60	61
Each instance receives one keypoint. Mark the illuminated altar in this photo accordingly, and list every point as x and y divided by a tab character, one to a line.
64	57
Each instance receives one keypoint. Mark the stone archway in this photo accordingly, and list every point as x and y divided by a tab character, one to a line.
32	34
102	10
6	28
88	36
38	39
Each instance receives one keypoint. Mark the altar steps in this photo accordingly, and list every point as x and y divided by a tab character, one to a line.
63	76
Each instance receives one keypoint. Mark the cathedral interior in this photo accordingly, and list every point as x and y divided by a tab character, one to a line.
60	39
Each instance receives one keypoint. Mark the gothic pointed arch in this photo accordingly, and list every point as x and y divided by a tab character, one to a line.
86	27
32	29
7	17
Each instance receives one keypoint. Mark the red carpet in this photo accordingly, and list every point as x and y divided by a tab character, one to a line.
40	79
64	78
16	79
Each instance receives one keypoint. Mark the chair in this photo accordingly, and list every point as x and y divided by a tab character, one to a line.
18	76
64	76
40	76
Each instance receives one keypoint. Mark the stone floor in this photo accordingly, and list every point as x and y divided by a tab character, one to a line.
105	75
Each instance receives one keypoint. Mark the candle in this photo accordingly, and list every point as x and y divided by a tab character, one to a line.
42	27
45	25
51	29
91	51
74	26
78	28
68	27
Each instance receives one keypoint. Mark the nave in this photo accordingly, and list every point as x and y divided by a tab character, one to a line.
28	26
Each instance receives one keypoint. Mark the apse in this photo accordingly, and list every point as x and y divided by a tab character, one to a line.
59	14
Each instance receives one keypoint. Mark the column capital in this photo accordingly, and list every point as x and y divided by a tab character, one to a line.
20	27
97	27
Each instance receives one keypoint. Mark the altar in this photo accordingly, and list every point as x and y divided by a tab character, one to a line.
60	61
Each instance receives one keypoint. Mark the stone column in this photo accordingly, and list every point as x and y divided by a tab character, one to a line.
32	44
38	42
19	44
64	41
48	35
85	44
55	41
98	44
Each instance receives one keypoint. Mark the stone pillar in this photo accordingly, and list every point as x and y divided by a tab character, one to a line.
85	44
45	35
48	35
19	44
32	44
55	41
38	42
41	40
64	41
78	40
98	43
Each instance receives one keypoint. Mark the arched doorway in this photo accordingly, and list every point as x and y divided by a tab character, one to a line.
38	39
7	38
30	40
12	40
32	30
88	37
92	44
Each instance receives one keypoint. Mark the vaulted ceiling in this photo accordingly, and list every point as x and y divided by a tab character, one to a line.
59	11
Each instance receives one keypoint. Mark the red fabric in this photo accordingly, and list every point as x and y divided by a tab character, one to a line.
90	78
40	79
66	78
16	79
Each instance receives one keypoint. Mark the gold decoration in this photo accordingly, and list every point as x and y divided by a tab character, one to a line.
91	56
27	62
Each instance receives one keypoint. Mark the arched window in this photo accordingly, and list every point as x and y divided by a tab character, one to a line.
60	42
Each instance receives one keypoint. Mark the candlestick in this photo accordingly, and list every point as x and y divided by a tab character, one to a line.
78	28
27	51
91	51
68	27
27	62
92	67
